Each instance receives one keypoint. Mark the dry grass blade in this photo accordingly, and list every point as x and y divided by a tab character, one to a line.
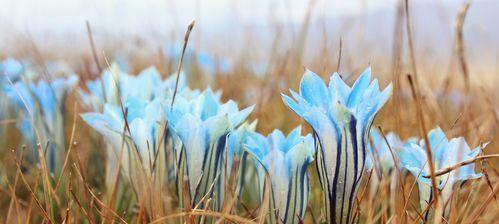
338	63
33	195
424	133
459	23
410	40
396	164
92	46
13	195
78	203
198	212
102	204
463	163
71	140
179	66
476	215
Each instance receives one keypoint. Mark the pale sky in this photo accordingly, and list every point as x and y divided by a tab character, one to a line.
65	15
63	21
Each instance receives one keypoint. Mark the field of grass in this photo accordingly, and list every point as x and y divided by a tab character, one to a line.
179	135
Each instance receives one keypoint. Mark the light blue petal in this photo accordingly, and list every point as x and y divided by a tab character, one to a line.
134	108
239	116
294	137
438	145
105	126
12	68
193	136
172	80
208	104
338	89
20	96
216	127
277	140
142	134
257	145
313	89
95	88
359	88
297	108
412	156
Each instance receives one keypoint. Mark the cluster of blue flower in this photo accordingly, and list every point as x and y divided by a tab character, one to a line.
40	109
194	136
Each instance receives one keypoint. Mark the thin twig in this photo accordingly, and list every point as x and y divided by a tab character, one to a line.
459	23
179	66
424	133
92	45
463	163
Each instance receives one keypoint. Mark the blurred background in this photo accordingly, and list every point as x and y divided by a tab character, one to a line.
223	26
265	44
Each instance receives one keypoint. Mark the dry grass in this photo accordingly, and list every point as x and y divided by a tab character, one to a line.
29	194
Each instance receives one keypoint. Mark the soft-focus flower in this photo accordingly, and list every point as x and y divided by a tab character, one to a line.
285	160
10	68
202	125
445	153
341	117
41	115
143	92
209	64
380	161
143	134
235	143
114	83
379	151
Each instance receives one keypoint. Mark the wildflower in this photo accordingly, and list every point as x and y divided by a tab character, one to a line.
445	153
143	133
114	84
208	63
341	117
285	160
378	150
41	111
10	68
202	125
235	142
145	94
212	65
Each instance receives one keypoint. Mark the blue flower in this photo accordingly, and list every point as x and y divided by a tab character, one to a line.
208	63
19	97
341	117
41	111
202	125
236	141
113	84
211	64
285	160
10	68
144	139
445	153
378	149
